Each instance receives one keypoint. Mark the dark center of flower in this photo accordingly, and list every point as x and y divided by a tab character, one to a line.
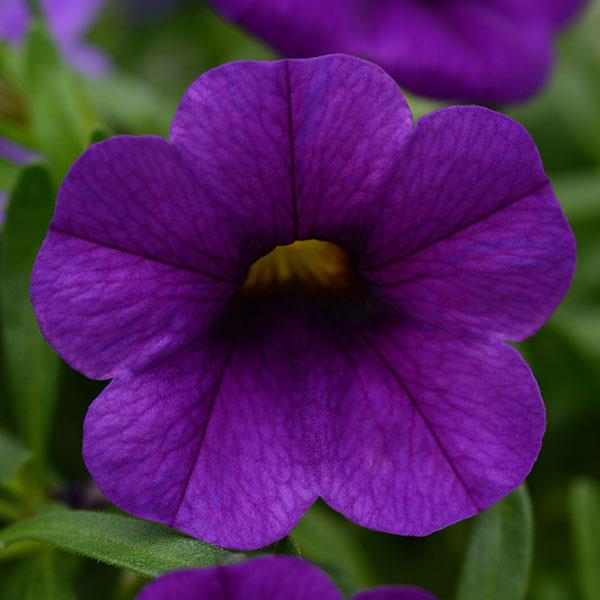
307	275
307	268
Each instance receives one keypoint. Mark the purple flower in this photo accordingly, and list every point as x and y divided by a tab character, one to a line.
268	577
489	51
365	364
68	20
14	153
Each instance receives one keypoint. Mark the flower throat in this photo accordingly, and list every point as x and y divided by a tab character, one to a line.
306	269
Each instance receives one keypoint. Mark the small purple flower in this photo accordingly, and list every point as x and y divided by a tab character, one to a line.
488	51
265	578
14	153
68	20
302	295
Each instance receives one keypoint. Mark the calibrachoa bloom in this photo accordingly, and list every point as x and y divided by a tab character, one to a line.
301	294
266	578
13	153
489	51
68	20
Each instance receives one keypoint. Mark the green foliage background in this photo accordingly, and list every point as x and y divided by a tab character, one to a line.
541	546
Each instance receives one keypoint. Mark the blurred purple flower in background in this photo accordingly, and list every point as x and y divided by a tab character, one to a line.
487	51
265	578
14	153
303	294
68	21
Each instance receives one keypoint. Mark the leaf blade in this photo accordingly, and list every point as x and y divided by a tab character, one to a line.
499	557
13	456
327	541
32	367
584	513
121	541
37	578
61	118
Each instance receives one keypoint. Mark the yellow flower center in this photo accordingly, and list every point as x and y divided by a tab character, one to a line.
306	268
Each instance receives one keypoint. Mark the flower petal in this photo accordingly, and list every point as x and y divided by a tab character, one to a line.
87	59
137	194
394	593
441	429
297	28
67	19
14	153
222	441
14	15
399	429
105	310
126	272
493	52
459	50
556	13
269	577
70	19
297	147
474	237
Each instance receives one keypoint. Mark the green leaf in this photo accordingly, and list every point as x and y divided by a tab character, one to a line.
579	194
60	116
499	557
131	105
287	545
31	366
145	548
37	578
8	174
327	540
99	134
584	505
13	456
17	133
34	7
420	106
580	324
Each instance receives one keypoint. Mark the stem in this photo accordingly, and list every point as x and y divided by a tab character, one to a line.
34	7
